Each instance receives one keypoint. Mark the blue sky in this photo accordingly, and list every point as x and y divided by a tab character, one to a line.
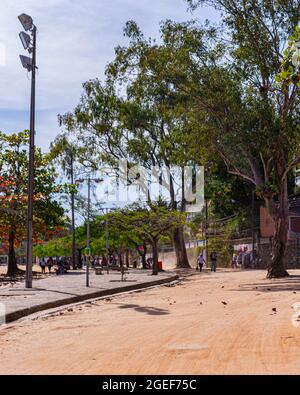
76	39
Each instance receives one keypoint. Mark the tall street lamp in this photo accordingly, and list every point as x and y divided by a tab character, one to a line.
89	181
29	63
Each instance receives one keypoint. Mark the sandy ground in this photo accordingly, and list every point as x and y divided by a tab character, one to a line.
222	323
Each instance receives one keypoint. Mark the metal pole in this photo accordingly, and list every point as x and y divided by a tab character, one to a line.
206	231
88	234
252	226
73	212
28	280
106	225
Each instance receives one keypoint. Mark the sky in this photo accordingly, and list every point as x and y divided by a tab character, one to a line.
76	40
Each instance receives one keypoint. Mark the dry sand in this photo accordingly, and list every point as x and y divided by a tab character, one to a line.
222	323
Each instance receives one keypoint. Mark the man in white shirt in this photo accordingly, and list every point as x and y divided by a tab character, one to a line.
200	262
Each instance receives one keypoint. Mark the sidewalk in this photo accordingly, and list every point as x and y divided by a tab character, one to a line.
55	291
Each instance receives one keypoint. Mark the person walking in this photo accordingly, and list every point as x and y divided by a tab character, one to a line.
43	265
213	259
234	261
50	263
200	262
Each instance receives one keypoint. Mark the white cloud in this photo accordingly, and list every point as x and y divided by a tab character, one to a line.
76	40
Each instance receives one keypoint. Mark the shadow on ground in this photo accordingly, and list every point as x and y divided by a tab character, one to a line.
289	284
145	309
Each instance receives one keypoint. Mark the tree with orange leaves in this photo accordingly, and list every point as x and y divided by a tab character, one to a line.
48	213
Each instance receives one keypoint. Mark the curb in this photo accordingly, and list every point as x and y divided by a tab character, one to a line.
15	315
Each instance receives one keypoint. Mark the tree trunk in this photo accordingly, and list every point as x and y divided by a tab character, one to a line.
12	269
179	245
154	257
79	250
277	267
127	258
178	238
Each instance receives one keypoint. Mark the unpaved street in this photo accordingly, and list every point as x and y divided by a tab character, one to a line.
228	322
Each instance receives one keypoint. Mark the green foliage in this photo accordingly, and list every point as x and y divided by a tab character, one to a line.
290	64
147	222
13	203
128	228
227	232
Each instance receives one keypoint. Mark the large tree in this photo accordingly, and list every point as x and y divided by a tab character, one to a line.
66	154
148	222
48	214
139	113
246	114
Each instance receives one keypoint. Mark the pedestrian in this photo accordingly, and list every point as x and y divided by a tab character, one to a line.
213	259
43	265
50	263
200	262
234	261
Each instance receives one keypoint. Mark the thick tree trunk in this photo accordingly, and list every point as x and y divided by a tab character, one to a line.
127	258
179	245
79	263
277	267
178	238
12	269
155	258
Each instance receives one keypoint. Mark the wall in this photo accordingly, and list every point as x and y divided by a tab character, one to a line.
293	254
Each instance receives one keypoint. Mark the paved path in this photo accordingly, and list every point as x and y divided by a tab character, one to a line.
54	291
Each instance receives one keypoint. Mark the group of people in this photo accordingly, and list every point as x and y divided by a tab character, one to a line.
97	260
244	259
46	263
61	265
201	261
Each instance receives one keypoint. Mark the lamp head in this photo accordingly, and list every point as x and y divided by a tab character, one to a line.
26	62
26	21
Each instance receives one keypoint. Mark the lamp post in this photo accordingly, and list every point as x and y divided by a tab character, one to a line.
106	241
89	181
29	43
253	227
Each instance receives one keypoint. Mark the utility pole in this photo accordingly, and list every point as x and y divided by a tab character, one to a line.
106	244
252	227
206	231
29	43
88	252
73	210
88	235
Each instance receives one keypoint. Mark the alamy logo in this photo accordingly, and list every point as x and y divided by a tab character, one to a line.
2	55
126	185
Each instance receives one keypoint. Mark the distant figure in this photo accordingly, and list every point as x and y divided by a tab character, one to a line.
234	261
43	265
61	269
213	259
50	263
200	262
104	261
149	263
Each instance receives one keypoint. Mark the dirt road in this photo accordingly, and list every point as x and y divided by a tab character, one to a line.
225	323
